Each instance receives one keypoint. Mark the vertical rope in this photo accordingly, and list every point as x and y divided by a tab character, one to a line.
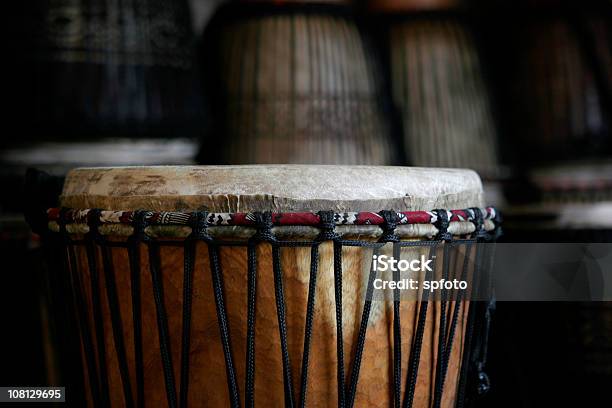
472	348
397	333
417	343
455	317
93	221
217	280
363	327
469	339
162	323
282	325
442	333
251	298
85	328
312	287
442	224
391	220
449	316
339	335
79	304
327	226
116	322
134	242
189	254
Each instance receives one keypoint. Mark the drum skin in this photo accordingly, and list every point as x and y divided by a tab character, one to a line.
293	83
208	384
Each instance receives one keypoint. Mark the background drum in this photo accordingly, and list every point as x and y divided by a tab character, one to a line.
563	75
88	69
293	82
242	306
552	66
438	85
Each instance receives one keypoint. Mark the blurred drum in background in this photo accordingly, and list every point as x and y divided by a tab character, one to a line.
438	85
563	80
95	69
268	298
293	82
559	57
551	63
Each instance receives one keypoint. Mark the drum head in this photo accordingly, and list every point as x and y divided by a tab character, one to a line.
279	188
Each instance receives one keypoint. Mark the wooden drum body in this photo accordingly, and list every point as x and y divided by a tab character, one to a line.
249	285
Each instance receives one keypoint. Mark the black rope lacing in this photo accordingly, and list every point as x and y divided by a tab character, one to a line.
327	232
443	332
138	236
391	220
83	321
479	317
116	320
480	233
264	224
197	222
327	226
263	234
93	222
442	222
218	291
162	323
361	336
312	287
417	343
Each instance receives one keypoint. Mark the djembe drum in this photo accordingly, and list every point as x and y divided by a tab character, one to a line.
293	82
249	285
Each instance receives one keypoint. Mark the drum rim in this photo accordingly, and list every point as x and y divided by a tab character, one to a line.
438	224
83	216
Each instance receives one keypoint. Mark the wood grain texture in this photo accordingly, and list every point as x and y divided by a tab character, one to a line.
208	383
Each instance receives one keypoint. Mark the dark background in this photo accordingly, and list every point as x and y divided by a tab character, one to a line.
145	97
